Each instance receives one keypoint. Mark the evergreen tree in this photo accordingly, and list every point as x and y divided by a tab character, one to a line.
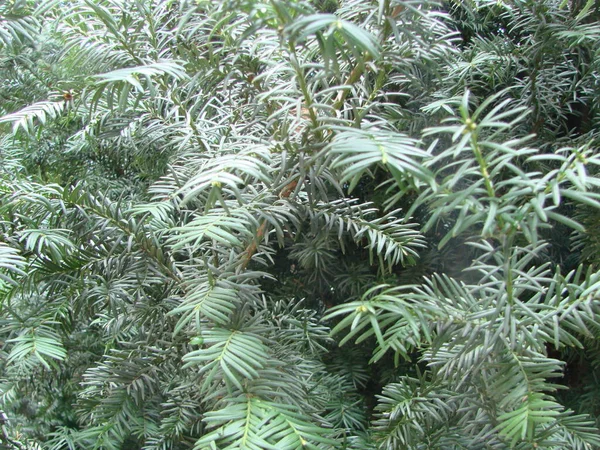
294	224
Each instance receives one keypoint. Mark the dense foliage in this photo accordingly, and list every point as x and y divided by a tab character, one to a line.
294	224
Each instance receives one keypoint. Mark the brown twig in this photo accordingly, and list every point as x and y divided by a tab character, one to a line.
262	228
